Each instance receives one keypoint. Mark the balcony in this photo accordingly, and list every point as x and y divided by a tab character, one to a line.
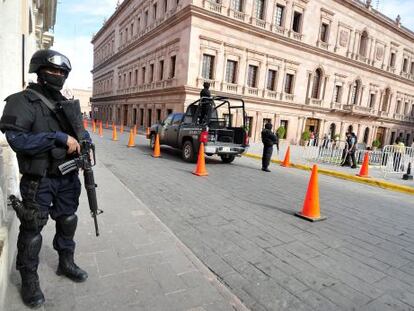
315	102
237	15
361	110
336	106
253	91
295	35
212	6
214	85
322	45
288	97
229	87
278	29
383	114
271	94
258	22
398	116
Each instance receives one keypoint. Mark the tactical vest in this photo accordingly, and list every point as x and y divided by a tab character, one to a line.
43	120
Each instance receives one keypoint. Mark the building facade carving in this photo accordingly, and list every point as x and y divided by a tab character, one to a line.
319	65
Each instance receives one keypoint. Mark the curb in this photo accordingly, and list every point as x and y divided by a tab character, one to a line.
368	181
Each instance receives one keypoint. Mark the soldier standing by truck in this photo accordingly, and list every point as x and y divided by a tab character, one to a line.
268	140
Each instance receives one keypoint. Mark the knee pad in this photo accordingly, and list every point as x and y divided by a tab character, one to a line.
29	246
66	225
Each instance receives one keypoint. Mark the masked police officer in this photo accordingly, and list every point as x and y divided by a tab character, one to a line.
268	140
42	138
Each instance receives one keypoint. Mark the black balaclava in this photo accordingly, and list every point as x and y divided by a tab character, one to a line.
268	126
54	82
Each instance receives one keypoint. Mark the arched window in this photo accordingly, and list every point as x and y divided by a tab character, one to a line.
317	82
363	44
386	99
355	89
366	135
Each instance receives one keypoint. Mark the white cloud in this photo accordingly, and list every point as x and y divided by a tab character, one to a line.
79	50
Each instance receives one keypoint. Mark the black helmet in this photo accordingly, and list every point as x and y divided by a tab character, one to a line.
49	58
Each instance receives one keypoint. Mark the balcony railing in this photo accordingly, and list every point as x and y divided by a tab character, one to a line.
336	106
315	102
237	15
213	6
258	22
295	35
288	97
148	86
271	94
383	114
323	45
251	91
398	116
278	29
229	87
213	83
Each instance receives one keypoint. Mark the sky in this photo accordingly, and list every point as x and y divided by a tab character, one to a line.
78	20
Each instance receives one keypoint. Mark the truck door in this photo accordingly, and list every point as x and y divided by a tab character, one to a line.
164	130
172	139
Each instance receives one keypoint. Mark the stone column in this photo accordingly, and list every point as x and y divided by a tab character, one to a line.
350	43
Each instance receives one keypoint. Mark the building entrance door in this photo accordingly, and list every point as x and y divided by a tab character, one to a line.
312	125
125	120
380	135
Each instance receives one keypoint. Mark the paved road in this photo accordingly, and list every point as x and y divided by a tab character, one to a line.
238	221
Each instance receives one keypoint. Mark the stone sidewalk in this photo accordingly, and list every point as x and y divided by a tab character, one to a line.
136	263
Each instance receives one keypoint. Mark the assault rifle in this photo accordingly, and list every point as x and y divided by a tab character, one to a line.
85	162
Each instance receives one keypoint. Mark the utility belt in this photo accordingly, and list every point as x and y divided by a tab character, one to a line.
45	164
28	210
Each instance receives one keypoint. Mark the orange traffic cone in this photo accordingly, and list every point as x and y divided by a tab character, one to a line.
114	134
147	133
364	168
135	130
310	209
107	124
286	161
100	129
121	130
93	126
200	169
131	141
157	149
85	124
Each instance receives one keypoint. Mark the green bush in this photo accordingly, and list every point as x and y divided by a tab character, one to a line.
306	136
281	131
376	143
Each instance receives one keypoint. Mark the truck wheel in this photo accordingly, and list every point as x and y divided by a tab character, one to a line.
152	140
227	158
188	153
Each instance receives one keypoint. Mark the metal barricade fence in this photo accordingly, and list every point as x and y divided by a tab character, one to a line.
330	153
395	159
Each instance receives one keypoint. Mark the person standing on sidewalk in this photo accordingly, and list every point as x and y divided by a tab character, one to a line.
268	140
42	137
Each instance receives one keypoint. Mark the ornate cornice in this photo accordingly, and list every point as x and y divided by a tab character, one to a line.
377	17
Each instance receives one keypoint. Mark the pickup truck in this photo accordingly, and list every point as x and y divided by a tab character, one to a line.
200	123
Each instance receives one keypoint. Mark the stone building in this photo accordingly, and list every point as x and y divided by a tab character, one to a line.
25	27
326	66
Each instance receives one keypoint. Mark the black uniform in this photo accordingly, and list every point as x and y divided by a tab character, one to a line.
39	135
205	103
268	140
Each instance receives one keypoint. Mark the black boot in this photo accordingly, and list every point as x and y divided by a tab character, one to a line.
68	268
32	295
